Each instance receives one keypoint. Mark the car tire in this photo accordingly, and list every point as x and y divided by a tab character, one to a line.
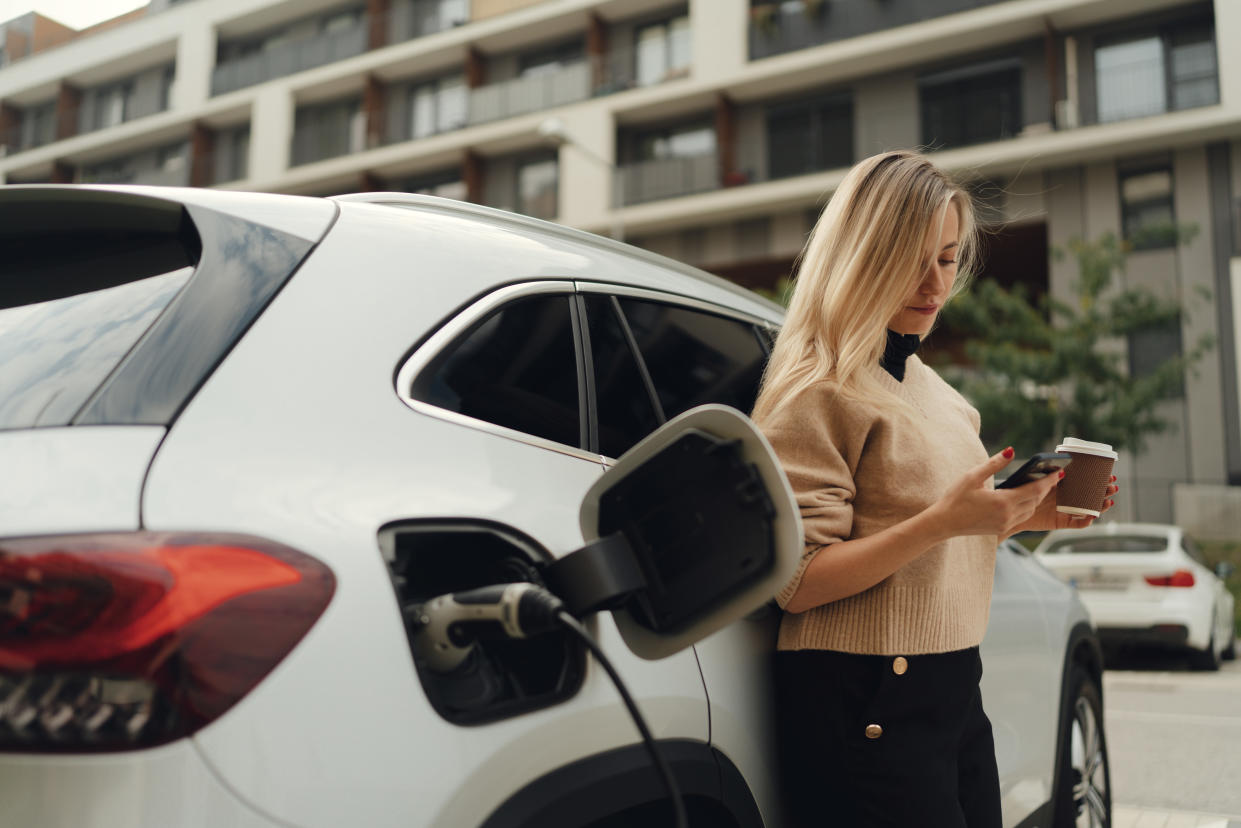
1230	652
1209	659
1084	783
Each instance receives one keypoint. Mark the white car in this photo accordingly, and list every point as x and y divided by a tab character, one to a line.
251	441
1147	584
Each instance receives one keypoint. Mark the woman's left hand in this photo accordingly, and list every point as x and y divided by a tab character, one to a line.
1046	518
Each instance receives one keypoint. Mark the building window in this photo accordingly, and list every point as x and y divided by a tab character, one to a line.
808	136
232	154
1155	74
971	105
328	130
662	50
1147	217
437	106
112	103
538	183
688	141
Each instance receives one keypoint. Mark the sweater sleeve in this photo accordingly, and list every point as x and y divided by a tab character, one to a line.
814	437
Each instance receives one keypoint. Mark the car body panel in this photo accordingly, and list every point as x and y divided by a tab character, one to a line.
169	785
329	457
64	480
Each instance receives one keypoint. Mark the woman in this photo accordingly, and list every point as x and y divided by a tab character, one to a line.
877	665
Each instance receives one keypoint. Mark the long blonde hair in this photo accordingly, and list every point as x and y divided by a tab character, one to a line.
865	256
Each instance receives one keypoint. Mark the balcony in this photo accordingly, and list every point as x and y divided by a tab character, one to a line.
668	178
288	58
279	57
779	27
165	167
532	93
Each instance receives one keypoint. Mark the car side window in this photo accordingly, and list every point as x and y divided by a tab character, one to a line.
1192	550
696	357
625	409
516	368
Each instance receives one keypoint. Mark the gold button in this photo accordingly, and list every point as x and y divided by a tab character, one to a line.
873	731
899	665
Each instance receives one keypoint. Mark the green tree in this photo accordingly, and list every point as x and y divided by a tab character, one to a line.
1048	368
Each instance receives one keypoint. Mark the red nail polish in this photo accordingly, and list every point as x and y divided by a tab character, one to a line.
1008	453
1060	473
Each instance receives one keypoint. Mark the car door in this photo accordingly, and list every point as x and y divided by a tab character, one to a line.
656	355
1021	684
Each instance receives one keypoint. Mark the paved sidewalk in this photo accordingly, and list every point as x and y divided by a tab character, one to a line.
1129	817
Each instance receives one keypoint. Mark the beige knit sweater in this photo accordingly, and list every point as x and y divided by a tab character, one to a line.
856	470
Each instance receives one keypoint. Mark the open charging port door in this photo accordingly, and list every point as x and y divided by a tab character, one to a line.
692	529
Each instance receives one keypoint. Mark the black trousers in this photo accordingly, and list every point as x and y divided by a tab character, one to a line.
872	741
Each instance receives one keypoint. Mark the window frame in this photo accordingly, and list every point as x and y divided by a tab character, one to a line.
1129	208
971	73
424	354
664	24
815	107
754	322
1168	36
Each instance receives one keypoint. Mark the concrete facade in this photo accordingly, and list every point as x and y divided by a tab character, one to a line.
709	130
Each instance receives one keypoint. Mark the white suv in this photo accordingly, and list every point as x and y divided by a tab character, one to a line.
248	438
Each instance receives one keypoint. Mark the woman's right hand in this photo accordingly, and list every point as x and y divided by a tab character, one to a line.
972	508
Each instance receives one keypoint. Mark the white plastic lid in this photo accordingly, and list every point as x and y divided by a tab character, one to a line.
1072	444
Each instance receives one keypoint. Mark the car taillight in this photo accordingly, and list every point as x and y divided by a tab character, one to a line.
123	641
1180	578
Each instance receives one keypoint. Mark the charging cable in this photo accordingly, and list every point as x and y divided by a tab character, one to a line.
449	626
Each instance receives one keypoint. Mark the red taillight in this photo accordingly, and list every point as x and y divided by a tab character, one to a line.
119	641
1180	578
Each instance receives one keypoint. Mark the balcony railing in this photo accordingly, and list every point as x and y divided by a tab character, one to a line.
405	21
287	58
566	85
171	175
328	139
668	178
779	27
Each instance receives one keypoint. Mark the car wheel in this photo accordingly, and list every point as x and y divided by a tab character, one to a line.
1084	789
1230	652
1208	659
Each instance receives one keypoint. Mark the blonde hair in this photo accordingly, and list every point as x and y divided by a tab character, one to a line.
865	255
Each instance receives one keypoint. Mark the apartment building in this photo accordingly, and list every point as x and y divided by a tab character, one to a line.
708	130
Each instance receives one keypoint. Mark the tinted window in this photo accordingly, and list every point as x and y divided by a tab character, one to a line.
626	412
53	354
696	358
1110	544
1192	550
517	368
958	111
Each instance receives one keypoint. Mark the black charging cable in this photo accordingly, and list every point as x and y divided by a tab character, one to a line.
657	756
449	626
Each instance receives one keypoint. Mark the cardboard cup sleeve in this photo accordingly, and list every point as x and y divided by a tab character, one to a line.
1086	479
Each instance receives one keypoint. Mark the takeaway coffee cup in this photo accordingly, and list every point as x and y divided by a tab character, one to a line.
1086	478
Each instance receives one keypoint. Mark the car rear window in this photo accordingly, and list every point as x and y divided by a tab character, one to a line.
1118	543
77	296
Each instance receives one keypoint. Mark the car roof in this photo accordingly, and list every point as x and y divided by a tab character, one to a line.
643	268
1109	528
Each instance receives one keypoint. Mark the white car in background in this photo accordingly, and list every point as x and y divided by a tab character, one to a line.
248	438
1147	584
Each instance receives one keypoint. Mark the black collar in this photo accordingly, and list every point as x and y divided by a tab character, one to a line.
899	348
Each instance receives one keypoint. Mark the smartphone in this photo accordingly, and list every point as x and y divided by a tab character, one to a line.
1037	467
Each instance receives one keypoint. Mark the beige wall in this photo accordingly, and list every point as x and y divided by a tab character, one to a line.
482	9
